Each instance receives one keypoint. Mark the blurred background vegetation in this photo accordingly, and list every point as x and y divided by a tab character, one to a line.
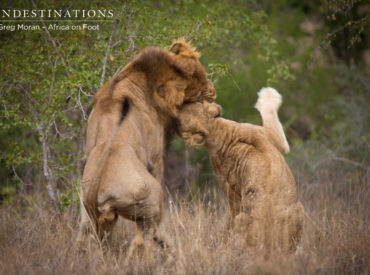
315	53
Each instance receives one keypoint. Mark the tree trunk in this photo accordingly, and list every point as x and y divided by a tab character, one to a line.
48	173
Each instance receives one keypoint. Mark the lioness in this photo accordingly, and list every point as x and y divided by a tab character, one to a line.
127	133
250	170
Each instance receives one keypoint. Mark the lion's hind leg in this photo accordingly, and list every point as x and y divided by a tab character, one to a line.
146	229
249	228
288	226
147	212
297	226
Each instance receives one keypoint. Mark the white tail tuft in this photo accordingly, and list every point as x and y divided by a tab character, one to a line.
268	100
268	103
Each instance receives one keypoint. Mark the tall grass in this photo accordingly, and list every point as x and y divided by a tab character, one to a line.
336	236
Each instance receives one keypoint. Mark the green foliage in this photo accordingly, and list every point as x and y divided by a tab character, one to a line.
48	80
349	22
69	198
217	69
348	115
49	76
7	193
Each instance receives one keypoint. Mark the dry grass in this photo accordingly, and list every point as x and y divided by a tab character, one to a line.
336	238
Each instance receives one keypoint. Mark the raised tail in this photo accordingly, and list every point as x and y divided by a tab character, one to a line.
268	103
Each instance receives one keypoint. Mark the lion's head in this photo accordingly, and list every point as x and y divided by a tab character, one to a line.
186	58
172	77
194	121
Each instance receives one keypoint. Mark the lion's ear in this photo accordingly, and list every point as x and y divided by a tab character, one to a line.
197	139
194	139
175	48
181	47
184	58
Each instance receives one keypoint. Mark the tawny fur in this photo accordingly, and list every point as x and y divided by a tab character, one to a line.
125	160
250	169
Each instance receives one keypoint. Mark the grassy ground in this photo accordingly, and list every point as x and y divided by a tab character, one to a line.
336	237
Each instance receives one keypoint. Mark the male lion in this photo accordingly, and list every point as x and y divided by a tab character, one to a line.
127	133
250	170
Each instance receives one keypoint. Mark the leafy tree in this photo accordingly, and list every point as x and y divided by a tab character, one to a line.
48	77
348	21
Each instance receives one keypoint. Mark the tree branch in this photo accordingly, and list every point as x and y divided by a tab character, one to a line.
52	80
130	36
53	41
80	104
191	36
107	52
48	173
365	21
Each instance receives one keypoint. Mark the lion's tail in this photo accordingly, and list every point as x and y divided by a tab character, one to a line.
92	194
268	103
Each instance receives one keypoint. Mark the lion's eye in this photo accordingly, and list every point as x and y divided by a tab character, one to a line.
160	91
